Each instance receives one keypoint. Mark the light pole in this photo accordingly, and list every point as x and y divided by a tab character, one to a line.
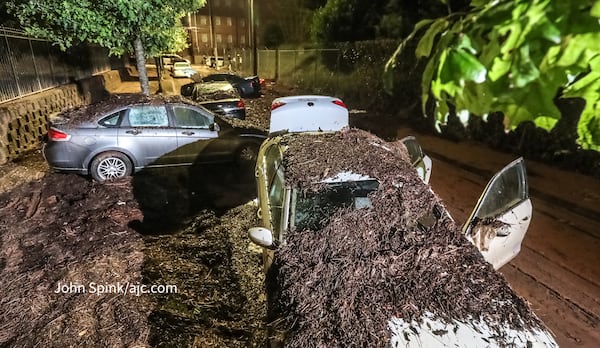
253	39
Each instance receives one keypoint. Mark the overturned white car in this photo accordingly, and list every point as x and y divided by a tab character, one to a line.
359	251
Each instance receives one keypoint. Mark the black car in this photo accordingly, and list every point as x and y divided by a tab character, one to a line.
219	97
246	86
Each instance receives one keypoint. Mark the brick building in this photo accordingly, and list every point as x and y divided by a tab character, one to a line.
221	24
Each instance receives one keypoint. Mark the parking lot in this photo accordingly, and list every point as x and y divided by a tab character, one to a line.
58	227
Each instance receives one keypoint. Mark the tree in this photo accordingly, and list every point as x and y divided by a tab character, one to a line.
515	57
293	18
273	36
356	20
144	27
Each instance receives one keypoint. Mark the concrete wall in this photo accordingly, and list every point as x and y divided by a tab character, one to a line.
24	122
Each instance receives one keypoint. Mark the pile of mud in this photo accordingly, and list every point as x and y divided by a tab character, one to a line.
403	257
62	239
220	301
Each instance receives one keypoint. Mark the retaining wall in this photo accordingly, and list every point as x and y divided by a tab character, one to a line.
24	122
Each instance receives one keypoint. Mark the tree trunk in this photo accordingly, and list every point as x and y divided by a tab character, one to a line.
141	65
159	72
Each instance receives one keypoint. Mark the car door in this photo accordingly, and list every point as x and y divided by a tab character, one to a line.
195	132
145	132
419	160
501	217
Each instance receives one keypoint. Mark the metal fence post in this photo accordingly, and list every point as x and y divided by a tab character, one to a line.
10	61
37	72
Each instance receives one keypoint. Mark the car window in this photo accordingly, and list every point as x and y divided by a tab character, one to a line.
275	185
276	193
191	118
111	120
213	91
181	65
506	190
148	116
272	160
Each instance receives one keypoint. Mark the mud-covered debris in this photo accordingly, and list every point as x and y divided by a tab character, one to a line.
340	285
61	238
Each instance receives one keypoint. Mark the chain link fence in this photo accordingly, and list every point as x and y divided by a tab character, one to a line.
29	65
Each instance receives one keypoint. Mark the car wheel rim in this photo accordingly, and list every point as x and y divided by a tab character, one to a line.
112	168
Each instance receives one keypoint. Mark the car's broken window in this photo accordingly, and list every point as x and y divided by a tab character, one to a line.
148	116
312	209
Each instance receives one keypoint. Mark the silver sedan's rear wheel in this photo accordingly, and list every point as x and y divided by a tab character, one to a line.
110	165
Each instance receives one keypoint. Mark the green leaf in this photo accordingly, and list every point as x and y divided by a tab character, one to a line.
524	70
596	9
544	122
588	127
500	68
426	42
461	66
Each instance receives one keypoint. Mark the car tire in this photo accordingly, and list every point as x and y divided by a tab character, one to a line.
110	165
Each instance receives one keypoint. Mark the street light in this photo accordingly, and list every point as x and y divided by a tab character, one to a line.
253	39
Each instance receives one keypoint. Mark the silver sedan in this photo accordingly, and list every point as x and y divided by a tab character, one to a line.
127	133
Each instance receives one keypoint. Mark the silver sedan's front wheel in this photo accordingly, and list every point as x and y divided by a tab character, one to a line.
110	165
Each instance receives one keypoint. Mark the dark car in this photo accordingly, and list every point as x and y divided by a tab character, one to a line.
219	97
127	133
246	86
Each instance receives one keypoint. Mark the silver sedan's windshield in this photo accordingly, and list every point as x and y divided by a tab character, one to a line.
312	210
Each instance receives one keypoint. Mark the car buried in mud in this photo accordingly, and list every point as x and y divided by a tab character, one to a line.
359	251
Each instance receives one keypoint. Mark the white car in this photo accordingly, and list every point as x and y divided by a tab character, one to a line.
315	176
182	69
168	60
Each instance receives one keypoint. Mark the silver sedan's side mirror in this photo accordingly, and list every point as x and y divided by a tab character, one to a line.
214	127
261	237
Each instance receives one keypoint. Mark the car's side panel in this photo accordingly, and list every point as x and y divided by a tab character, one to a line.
500	241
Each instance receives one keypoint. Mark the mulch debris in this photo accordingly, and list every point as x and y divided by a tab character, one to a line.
69	231
339	286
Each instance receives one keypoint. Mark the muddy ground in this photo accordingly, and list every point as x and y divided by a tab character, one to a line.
159	228
65	239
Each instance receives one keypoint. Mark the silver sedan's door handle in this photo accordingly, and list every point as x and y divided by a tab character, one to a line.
187	133
134	132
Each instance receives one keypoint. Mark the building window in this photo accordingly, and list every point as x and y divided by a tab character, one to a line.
242	23
219	38
228	3
242	40
217	20
203	20
217	3
230	38
229	21
204	37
